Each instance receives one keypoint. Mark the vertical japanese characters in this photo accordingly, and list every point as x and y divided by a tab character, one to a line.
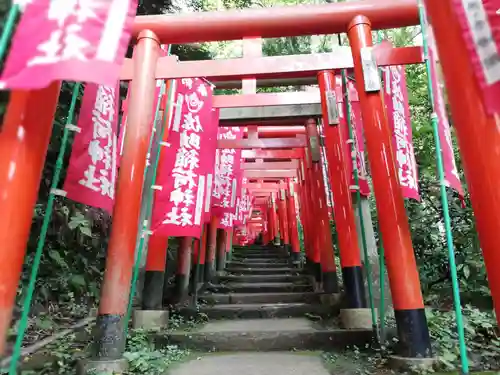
480	23
179	198
227	165
398	113
76	40
91	175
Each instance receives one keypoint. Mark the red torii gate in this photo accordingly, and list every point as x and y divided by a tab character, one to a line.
478	143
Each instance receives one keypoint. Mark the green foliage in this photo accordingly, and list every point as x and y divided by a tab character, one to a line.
481	335
144	358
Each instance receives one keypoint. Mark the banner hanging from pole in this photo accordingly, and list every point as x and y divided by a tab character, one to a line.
398	113
227	165
180	189
480	23
452	179
359	141
92	171
209	166
55	40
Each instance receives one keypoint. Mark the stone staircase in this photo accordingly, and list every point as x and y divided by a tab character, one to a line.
261	303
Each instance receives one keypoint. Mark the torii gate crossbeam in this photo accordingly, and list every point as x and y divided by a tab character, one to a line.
276	22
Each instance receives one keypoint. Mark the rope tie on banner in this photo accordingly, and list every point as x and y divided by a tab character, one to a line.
444	199
23	323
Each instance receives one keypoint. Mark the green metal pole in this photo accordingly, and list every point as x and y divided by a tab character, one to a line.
444	200
358	198
23	323
8	29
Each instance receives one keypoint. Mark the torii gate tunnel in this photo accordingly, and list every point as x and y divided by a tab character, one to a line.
280	153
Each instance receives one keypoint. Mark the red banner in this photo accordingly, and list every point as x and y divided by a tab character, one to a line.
227	165
178	208
357	134
451	176
91	174
480	22
210	164
398	113
69	40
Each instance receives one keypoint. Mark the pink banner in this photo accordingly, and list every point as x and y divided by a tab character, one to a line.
178	208
227	165
480	24
69	40
91	174
398	113
451	176
210	161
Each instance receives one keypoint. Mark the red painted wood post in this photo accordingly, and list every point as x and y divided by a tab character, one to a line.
24	138
343	212
109	336
400	259
479	144
292	220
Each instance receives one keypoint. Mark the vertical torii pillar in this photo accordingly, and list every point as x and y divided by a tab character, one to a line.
313	229
477	130
24	139
304	208
324	233
282	208
293	227
109	340
183	269
152	315
221	250
401	265
274	220
211	250
356	315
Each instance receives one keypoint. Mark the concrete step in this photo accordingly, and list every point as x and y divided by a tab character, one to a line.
261	260
263	298
238	264
276	363
264	335
260	288
261	255
263	278
264	271
266	311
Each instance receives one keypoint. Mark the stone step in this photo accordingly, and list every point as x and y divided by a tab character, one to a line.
261	287
250	298
265	335
261	260
263	278
261	255
264	271
266	311
238	264
276	363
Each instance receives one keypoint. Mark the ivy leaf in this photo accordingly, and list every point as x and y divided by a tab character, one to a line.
56	257
86	231
77	280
